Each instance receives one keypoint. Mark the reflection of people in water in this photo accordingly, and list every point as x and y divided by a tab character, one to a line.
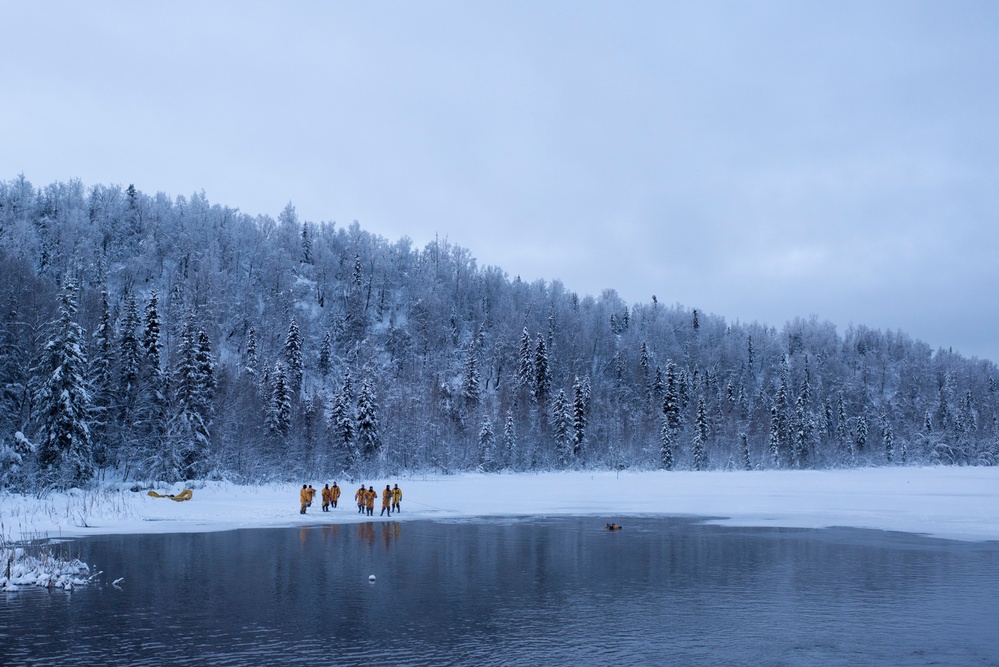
613	526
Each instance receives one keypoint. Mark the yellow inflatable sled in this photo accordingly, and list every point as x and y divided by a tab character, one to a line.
186	494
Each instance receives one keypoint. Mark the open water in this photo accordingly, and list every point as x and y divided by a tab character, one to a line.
517	592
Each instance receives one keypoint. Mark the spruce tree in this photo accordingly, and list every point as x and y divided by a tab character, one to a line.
487	450
251	361
101	378
326	354
744	441
561	422
279	405
65	450
542	377
671	398
665	445
470	382
887	438
510	440
525	367
774	437
700	437
293	357
129	351
368	430
579	417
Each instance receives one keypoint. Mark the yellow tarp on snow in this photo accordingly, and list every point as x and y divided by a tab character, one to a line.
186	494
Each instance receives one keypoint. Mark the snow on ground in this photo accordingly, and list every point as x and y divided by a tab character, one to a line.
948	502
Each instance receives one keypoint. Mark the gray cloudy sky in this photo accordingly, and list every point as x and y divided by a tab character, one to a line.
757	160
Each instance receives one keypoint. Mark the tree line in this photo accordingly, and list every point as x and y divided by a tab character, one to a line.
144	337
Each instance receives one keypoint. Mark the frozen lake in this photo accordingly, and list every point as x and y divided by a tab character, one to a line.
517	592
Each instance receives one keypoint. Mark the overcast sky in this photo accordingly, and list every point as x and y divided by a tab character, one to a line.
757	160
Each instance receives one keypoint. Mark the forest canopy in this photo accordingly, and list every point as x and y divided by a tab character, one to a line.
155	339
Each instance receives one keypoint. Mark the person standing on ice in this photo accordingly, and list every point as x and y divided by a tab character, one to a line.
326	498
369	500
334	494
312	494
386	501
303	496
361	496
396	498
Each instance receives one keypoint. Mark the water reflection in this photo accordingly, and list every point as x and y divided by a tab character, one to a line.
517	592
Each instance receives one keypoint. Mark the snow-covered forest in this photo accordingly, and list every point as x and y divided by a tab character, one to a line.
148	338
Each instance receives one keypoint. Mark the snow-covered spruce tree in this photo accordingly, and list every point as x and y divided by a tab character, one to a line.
152	404
306	244
368	430
326	354
65	450
15	460
525	369
700	437
279	405
487	447
579	418
860	439
342	426
671	398
665	445
471	390
129	355
152	343
658	387
510	453
542	377
744	441
188	431
845	442
561	423
293	357
101	379
774	441
802	432
887	438
250	363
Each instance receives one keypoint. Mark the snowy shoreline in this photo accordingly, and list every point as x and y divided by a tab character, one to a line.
959	503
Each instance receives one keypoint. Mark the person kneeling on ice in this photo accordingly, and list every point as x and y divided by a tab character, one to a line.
361	496
396	498
326	498
303	496
334	494
386	501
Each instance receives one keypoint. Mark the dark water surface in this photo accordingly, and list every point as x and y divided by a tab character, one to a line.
517	592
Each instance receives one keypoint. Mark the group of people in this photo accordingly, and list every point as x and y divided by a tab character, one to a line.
391	500
365	498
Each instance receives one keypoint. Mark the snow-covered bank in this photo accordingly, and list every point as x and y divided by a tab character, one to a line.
949	502
45	569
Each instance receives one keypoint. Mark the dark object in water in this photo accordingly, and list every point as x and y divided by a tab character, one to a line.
613	526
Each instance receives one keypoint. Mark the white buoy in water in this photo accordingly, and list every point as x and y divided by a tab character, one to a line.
371	579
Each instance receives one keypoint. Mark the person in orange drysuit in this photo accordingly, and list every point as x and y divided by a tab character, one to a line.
361	497
369	500
303	496
334	494
396	498
312	494
326	498
386	501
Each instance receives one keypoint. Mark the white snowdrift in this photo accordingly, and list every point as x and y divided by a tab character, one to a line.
947	502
